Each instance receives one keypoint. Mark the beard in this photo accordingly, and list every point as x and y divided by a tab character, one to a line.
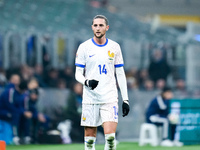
98	36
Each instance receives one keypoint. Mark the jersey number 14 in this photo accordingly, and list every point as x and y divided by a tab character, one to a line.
102	69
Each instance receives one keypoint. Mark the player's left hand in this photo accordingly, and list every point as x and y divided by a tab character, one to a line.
125	108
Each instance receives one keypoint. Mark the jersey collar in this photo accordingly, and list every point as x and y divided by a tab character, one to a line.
100	45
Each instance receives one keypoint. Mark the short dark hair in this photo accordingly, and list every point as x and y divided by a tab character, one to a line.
101	17
23	85
166	89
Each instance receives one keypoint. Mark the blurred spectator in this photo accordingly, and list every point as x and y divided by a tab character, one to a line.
39	75
31	50
73	112
68	75
142	77
99	3
158	113
61	84
195	93
180	89
133	72
70	128
104	3
14	81
96	3
148	85
160	84
29	127
10	107
26	72
180	85
132	81
3	79
11	71
46	59
158	68
52	78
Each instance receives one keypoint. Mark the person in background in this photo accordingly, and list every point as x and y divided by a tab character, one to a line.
180	89
158	68
73	112
3	79
143	76
29	126
26	72
157	113
52	78
14	81
148	85
39	75
160	84
68	75
62	85
10	107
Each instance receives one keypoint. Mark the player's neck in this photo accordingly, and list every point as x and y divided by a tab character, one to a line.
100	41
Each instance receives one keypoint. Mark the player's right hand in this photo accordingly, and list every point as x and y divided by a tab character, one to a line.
92	84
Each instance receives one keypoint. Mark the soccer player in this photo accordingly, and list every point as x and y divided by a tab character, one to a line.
101	58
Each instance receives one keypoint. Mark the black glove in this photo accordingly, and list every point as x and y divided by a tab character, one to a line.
125	108
91	84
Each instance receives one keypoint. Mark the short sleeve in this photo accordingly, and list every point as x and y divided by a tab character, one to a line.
80	57
118	59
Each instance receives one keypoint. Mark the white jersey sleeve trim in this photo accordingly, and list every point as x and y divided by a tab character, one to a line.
79	75
121	79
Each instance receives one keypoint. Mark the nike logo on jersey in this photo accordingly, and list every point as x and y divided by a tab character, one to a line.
91	55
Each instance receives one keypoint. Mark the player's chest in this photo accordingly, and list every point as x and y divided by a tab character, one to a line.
101	55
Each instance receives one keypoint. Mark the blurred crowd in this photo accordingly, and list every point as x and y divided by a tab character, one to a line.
22	112
154	77
18	110
19	97
47	78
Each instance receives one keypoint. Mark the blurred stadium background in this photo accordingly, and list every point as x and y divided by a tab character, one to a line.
46	33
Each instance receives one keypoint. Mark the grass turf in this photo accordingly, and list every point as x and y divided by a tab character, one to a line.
120	146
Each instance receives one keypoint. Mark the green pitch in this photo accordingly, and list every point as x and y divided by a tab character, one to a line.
120	146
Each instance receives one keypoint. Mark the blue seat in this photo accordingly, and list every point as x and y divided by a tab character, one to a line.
6	133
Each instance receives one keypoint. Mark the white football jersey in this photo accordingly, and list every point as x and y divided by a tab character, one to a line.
100	62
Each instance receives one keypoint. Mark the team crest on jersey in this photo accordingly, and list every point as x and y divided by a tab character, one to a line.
84	118
111	55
